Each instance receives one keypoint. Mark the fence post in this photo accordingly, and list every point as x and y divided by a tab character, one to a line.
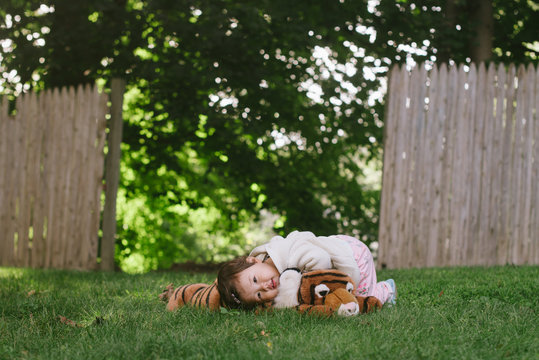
112	174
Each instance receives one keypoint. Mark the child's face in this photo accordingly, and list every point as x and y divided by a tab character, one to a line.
258	283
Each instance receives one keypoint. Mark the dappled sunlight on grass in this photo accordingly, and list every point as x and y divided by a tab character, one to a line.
11	272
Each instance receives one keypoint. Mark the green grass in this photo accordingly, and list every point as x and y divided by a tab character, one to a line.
460	313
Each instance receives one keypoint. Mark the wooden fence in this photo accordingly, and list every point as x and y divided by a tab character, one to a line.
461	167
51	171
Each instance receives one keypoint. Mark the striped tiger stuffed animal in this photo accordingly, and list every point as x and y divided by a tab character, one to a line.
322	292
197	295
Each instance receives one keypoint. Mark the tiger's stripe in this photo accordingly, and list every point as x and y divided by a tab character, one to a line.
202	297
324	274
212	289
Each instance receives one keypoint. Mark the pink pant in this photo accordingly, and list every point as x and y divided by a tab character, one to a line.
368	286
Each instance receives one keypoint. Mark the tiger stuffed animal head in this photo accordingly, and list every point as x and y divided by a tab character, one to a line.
322	292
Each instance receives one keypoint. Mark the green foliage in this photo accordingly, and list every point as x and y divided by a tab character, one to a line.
243	95
428	26
152	240
235	107
459	313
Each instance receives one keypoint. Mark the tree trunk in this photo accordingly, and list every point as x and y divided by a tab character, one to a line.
450	15
482	20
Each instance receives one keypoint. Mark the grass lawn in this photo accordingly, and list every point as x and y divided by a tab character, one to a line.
459	313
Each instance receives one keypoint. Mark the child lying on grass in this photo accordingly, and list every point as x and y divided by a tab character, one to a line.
321	292
246	282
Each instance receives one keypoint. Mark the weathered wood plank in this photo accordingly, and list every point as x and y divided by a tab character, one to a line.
497	220
388	174
452	112
32	138
477	169
425	163
38	241
526	102
534	222
460	166
413	130
112	174
434	237
461	180
489	177
86	130
5	210
98	116
518	169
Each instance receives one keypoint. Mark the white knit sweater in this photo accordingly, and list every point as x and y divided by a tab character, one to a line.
305	251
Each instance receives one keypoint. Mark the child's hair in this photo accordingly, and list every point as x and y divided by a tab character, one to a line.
226	283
